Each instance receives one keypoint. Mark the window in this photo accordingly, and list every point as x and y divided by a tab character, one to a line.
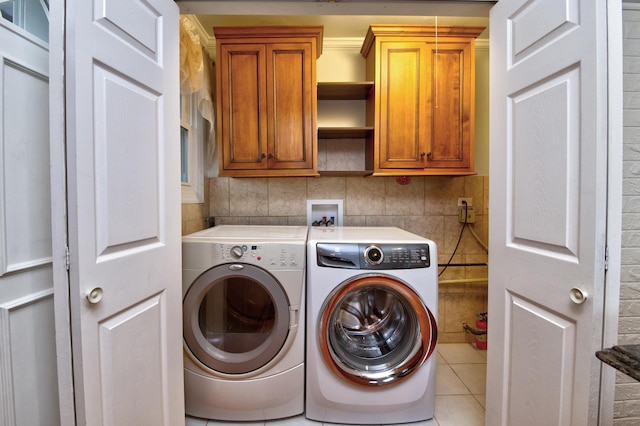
191	151
32	15
184	155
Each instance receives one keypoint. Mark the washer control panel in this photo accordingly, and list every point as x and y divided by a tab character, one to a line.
373	256
271	256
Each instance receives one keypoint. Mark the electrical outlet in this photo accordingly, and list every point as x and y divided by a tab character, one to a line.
461	201
471	215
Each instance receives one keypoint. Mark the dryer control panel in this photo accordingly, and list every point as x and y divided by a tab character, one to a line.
373	256
267	255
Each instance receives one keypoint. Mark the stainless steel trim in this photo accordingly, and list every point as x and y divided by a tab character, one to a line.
348	352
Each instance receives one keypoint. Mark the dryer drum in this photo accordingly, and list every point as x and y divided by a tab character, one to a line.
249	307
371	323
375	330
235	323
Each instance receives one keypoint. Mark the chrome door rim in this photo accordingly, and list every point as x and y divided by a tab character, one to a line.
422	346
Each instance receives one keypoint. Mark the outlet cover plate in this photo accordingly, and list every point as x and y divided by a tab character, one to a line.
470	213
461	201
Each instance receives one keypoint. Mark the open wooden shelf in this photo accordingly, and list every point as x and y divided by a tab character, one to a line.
344	132
344	90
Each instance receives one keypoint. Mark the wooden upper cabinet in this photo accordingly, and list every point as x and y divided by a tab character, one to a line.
266	95
423	104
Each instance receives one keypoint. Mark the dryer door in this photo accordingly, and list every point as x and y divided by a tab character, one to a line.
235	318
375	330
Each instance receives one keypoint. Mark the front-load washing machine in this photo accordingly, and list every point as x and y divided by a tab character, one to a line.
243	322
372	297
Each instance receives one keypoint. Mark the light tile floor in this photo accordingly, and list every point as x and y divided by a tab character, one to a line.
460	392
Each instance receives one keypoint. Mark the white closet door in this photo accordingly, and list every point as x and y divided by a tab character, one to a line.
548	211
123	189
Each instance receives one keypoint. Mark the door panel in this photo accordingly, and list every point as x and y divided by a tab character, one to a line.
541	24
123	191
290	75
548	211
242	105
142	324
120	105
405	107
452	105
545	341
28	379
447	104
28	376
545	166
26	234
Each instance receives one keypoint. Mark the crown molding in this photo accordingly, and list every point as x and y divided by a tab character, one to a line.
482	44
333	43
342	42
208	42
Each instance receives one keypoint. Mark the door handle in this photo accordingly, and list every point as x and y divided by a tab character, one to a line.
95	295
578	296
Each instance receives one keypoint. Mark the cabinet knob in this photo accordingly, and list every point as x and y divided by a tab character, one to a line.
270	155
422	154
261	156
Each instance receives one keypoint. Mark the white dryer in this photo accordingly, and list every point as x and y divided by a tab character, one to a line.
372	298
243	322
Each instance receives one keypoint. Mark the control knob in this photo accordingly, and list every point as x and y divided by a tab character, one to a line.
373	255
236	252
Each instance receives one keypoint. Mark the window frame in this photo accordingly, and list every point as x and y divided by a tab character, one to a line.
192	120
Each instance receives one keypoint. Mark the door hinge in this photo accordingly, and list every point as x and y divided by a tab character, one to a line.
606	258
67	258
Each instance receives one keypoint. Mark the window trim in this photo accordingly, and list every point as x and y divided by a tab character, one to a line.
190	118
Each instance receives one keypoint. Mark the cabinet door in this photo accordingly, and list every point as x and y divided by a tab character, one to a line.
451	107
291	96
242	123
404	111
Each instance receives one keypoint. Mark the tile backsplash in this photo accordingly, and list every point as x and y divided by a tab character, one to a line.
426	206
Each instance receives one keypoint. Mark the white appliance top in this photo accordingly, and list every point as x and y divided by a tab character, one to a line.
263	233
362	234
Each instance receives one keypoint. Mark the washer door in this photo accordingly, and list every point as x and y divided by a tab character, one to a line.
375	330
235	318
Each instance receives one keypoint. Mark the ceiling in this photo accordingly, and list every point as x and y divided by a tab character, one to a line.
340	18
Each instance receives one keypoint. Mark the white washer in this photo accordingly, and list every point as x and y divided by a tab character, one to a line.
372	298
243	321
